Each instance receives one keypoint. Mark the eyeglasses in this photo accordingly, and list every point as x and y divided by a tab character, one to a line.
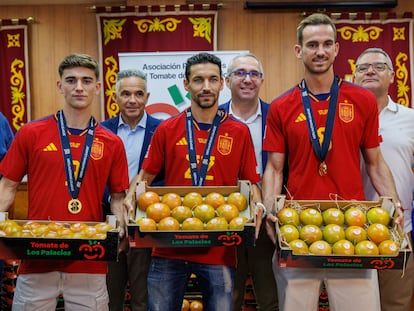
379	67
242	74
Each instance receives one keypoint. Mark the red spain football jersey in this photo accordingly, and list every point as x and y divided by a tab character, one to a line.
37	152
355	127
232	159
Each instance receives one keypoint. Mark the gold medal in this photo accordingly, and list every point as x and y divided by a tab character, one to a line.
74	206
323	169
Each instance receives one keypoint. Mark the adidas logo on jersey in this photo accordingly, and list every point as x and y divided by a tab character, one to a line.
300	118
182	142
50	147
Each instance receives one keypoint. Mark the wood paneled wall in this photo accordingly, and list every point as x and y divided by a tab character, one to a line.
63	29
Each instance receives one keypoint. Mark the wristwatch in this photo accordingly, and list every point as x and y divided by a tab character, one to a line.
257	204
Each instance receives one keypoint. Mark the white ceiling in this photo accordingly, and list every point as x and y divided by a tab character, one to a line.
49	2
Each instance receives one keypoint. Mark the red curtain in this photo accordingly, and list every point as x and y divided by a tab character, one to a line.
392	34
14	72
150	29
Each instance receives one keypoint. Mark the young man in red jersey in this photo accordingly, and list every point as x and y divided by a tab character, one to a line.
69	159
323	124
202	146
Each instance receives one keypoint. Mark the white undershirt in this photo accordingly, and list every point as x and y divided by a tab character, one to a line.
255	126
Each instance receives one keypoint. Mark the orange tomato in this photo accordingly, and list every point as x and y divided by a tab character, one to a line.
238	199
228	211
146	199
186	305
196	305
147	224
168	224
158	211
215	199
171	199
192	199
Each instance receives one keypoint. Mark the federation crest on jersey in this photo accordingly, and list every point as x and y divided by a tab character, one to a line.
346	112
224	144
97	150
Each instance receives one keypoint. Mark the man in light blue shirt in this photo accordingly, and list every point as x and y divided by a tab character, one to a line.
133	138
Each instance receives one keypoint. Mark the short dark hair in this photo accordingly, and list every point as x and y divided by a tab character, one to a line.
79	60
201	58
314	20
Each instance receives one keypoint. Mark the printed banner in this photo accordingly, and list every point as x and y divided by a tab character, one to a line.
14	73
150	29
392	35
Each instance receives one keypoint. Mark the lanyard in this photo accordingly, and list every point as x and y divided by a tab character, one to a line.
74	185
198	176
320	151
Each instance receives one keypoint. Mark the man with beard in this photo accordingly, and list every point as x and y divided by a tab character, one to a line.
202	146
135	127
323	123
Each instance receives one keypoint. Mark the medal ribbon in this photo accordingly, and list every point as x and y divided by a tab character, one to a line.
75	185
198	176
320	151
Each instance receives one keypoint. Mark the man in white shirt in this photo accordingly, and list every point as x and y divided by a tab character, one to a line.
374	71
